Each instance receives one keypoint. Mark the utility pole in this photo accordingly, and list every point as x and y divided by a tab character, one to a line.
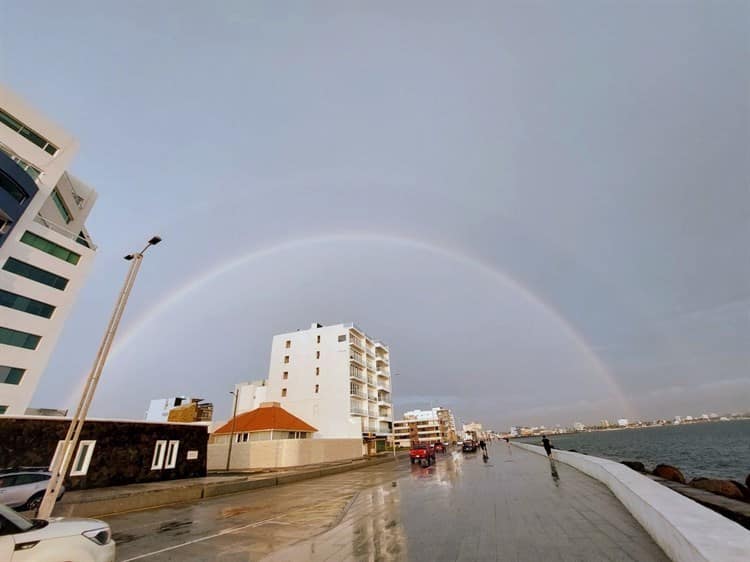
234	423
64	457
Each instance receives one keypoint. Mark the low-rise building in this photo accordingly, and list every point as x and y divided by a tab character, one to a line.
271	437
159	409
109	452
250	395
425	426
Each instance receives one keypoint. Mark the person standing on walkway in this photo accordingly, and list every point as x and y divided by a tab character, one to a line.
547	445
483	445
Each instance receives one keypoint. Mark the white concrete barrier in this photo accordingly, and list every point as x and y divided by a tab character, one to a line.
685	530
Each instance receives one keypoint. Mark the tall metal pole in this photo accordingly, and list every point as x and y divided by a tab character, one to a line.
234	422
62	461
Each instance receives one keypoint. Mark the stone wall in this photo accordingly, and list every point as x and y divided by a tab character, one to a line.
282	453
122	454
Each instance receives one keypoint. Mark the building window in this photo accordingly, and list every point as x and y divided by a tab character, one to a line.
158	460
172	448
318	340
13	189
17	338
283	392
245	437
25	304
3	409
11	375
317	388
35	274
29	134
61	207
83	458
317	355
317	371
342	337
50	247
288	344
286	359
285	376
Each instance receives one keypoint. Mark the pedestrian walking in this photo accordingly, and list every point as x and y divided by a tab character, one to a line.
547	445
483	445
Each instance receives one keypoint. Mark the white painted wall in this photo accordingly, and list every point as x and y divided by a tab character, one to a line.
684	529
250	395
282	453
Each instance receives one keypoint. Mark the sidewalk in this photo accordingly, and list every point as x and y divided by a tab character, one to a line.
118	499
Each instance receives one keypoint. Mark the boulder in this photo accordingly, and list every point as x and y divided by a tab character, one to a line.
745	489
635	465
725	488
669	473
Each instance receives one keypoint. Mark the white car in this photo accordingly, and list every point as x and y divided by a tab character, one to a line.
24	489
59	538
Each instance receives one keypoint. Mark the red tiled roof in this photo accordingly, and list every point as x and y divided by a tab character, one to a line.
266	418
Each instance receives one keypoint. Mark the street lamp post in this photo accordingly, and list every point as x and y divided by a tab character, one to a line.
234	423
393	416
65	454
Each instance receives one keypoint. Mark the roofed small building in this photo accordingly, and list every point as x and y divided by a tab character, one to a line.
271	437
269	421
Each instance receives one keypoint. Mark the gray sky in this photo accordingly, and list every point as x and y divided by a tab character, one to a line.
543	207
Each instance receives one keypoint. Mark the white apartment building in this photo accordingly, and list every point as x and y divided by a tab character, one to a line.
425	426
250	395
45	250
335	378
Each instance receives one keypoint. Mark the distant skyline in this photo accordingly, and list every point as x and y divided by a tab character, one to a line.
543	208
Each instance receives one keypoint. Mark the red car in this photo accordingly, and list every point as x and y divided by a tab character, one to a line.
423	453
439	447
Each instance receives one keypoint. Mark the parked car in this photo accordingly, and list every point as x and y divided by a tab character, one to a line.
422	453
469	446
24	489
59	538
439	447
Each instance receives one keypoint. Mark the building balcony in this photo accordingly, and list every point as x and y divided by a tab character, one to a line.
372	398
358	393
370	381
81	238
383	385
357	376
357	411
357	360
357	343
381	359
384	400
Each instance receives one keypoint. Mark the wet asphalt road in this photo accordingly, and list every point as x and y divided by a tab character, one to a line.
516	507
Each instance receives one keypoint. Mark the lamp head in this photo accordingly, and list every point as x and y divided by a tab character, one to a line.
154	240
129	257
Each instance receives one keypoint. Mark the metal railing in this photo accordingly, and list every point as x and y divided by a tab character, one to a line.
357	392
357	410
81	238
358	376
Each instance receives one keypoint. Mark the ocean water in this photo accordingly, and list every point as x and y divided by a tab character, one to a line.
714	450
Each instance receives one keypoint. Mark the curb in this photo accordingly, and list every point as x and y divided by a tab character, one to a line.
180	494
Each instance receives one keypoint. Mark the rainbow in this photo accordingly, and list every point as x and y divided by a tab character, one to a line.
182	292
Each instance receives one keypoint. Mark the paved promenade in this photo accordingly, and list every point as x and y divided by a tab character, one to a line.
517	507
